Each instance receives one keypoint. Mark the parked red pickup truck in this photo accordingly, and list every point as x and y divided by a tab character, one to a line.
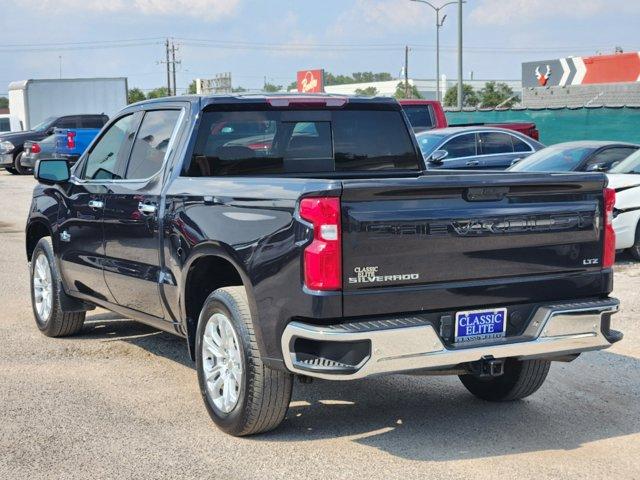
429	114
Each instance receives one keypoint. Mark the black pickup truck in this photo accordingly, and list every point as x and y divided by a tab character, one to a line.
302	235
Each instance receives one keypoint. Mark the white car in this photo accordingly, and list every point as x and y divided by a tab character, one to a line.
625	179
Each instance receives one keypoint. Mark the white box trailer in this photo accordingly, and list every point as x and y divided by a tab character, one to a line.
32	101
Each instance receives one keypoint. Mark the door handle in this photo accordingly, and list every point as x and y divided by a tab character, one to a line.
147	208
473	163
96	204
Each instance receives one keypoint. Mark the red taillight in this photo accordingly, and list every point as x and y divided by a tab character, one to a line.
323	257
71	140
35	148
609	244
535	134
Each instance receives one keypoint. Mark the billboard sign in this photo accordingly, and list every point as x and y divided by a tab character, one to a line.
622	67
310	81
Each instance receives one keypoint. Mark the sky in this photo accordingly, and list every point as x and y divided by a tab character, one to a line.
274	38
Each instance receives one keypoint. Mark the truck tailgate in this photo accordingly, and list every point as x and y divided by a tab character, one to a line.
447	240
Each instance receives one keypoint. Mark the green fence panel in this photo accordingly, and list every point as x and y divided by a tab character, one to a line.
564	125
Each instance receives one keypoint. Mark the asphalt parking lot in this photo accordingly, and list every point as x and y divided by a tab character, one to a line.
121	401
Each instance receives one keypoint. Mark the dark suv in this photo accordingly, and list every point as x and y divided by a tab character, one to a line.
12	144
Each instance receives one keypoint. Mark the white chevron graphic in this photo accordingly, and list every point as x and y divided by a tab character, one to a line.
581	71
565	72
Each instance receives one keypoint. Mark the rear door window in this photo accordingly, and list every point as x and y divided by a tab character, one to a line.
268	142
461	146
151	143
92	122
492	143
420	116
520	145
67	122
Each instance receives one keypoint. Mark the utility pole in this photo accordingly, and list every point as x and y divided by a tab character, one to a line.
60	60
173	62
168	68
406	71
460	91
170	62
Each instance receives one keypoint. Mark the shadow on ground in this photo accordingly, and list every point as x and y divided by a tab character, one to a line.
434	418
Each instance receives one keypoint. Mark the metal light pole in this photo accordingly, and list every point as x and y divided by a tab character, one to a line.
439	24
460	89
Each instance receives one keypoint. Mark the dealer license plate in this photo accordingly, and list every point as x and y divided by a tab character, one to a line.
477	325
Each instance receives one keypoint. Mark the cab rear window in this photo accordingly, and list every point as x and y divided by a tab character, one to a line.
268	142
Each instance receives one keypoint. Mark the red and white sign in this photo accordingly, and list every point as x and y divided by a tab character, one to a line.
310	81
617	68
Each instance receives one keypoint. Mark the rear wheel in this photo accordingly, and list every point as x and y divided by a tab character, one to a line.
46	288
520	379
635	250
18	166
242	395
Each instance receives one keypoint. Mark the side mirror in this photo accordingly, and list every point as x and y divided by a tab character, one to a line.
51	171
50	131
596	167
438	156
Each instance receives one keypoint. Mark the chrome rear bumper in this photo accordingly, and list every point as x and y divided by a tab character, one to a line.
406	344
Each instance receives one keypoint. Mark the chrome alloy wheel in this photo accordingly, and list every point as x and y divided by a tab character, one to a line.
42	287
222	362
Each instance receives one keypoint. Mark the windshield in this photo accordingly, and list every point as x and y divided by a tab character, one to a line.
629	165
250	142
553	159
43	125
428	142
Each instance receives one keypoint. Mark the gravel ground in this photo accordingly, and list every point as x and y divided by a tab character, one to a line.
121	401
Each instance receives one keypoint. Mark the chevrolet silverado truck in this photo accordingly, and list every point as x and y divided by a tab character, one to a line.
325	251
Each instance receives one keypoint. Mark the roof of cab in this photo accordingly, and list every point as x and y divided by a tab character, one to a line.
263	98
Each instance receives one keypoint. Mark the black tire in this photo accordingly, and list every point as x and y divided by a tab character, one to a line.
264	393
521	378
11	170
57	323
18	166
635	250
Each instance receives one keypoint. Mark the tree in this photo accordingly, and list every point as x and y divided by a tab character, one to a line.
158	92
270	87
367	92
292	86
366	77
4	102
469	99
135	95
400	91
331	79
494	94
191	89
356	77
238	90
